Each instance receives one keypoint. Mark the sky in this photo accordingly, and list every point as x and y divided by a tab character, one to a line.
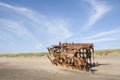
34	25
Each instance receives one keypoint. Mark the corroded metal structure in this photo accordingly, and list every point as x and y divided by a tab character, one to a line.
75	55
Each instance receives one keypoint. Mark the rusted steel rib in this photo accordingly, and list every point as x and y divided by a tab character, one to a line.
72	54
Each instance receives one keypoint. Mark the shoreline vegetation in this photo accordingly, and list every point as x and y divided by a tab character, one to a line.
106	51
25	54
38	54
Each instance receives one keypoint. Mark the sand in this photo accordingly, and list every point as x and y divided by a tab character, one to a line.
40	68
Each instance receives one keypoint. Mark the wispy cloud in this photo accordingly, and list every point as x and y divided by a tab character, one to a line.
4	36
103	36
103	39
17	29
98	9
55	29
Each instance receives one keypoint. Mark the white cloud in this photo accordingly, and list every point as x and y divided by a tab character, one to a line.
104	39
19	30
103	36
15	27
1	37
4	36
53	25
13	7
38	45
56	29
97	11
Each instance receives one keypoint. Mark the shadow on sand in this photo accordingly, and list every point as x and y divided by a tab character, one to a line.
92	70
103	64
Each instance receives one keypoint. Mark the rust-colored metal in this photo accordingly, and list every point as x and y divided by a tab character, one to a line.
75	55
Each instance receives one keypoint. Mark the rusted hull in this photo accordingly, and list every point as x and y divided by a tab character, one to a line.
79	56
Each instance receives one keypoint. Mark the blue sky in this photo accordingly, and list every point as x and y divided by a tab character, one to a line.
33	25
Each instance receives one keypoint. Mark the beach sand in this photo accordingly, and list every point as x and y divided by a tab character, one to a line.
40	68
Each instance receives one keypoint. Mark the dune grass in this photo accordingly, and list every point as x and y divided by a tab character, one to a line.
97	52
107	51
24	54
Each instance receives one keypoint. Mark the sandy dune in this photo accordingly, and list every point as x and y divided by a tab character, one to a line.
40	68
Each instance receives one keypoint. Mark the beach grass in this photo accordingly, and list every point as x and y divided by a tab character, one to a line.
24	54
97	52
107	51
